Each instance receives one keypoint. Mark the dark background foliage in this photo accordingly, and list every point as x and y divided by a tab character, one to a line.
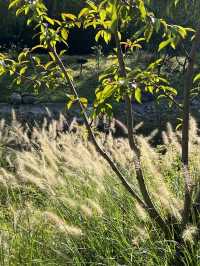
13	31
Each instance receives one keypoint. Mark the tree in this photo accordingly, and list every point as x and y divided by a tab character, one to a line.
110	18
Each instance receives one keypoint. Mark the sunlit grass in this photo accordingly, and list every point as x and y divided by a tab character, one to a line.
62	205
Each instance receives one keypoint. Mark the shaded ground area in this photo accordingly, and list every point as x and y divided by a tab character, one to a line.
153	115
50	104
31	112
86	82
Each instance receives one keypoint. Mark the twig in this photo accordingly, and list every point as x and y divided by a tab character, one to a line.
172	100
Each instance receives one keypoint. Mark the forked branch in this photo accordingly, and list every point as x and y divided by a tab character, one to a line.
153	213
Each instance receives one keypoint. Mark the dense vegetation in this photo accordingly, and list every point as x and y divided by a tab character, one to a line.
62	205
15	31
72	195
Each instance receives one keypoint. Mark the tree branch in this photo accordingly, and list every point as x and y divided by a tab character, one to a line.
173	101
91	134
151	209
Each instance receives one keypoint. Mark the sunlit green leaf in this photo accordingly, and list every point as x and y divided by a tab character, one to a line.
138	95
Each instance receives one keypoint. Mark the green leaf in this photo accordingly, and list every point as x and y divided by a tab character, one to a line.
168	89
138	95
182	31
92	5
68	16
14	3
29	21
180	123
48	19
19	11
37	47
98	35
69	104
64	34
104	34
155	64
48	64
18	80
72	99
84	102
196	78
21	55
102	14
23	70
37	59
148	33
26	10
52	56
163	44
150	89
62	52
142	8
107	37
83	12
107	92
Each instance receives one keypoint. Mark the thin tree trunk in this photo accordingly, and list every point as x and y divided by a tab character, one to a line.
92	137
188	206
147	203
153	213
185	130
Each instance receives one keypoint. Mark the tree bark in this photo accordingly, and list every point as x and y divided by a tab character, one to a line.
185	129
153	213
109	160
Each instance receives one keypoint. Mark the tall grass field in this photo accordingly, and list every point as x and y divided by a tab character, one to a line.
62	205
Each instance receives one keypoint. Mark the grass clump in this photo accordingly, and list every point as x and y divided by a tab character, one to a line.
62	205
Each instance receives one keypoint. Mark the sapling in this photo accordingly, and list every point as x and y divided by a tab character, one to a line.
117	83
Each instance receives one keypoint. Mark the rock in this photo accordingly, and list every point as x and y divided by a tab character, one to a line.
15	98
28	99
